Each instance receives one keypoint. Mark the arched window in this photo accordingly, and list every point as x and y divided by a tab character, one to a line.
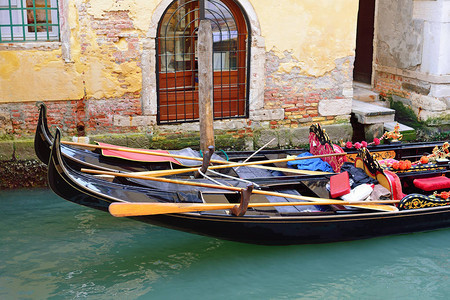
177	60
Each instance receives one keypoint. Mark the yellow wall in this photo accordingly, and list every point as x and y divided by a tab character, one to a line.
315	32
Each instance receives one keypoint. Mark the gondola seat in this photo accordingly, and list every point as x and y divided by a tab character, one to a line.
432	183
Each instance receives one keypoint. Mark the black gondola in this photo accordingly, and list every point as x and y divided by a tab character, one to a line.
268	226
81	158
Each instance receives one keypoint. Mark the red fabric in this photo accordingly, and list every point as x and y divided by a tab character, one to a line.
339	185
137	156
316	148
395	185
432	183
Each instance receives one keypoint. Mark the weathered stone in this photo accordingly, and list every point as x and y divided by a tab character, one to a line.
300	136
24	150
5	120
6	150
15	174
428	103
399	37
403	100
334	107
433	118
372	131
367	113
262	137
131	121
423	90
339	131
267	114
440	90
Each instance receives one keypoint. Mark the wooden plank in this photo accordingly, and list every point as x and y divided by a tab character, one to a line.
205	83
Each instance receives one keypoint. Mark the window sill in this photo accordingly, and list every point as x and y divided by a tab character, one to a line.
37	45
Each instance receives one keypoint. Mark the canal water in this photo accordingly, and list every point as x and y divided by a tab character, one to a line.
53	249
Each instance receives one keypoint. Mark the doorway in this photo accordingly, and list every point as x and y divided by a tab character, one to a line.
362	71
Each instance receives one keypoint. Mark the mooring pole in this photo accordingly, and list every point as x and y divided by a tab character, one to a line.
205	85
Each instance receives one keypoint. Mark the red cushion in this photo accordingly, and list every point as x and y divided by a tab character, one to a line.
394	186
339	185
432	183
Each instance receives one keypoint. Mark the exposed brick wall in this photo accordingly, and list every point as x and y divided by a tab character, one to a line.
386	83
426	99
96	115
299	95
117	26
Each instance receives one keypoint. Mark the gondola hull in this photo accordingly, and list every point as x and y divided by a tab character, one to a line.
269	229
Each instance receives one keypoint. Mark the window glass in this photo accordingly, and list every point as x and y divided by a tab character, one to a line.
179	35
38	14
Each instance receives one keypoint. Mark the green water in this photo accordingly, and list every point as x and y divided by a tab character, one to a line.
50	248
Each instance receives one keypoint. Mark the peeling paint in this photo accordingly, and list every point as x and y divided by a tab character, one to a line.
319	31
140	10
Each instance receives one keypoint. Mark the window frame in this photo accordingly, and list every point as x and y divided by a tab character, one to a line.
246	64
17	26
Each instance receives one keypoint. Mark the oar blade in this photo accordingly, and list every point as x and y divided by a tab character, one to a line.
127	209
378	207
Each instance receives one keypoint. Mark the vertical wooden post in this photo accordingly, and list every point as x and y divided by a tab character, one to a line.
205	85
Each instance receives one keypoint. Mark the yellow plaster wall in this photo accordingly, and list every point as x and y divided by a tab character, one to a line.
32	75
36	74
315	32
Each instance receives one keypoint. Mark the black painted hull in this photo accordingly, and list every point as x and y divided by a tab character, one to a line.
262	229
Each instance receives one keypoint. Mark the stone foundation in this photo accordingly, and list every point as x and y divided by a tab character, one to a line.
427	100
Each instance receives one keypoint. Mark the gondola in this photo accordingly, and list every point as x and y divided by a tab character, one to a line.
81	158
265	225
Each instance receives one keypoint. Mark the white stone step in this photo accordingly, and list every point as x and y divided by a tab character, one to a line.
408	133
363	92
367	113
389	126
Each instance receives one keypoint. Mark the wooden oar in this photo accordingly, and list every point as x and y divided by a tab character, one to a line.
232	188
230	164
159	173
128	209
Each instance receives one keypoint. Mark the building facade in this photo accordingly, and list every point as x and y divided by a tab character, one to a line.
411	58
123	66
114	66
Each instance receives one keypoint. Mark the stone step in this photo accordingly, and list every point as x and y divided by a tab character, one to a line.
367	113
409	133
363	92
